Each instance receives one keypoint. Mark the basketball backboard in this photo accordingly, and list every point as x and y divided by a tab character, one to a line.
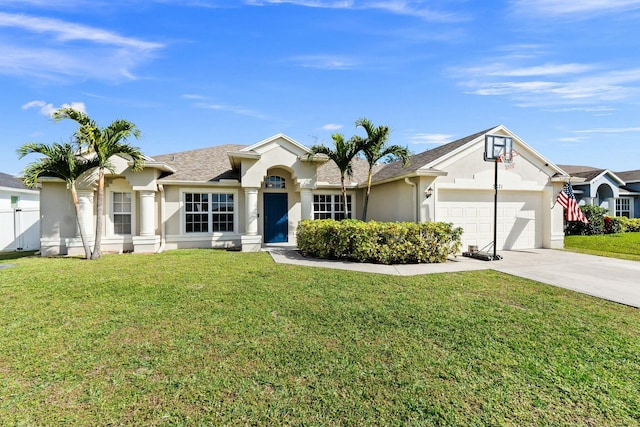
496	146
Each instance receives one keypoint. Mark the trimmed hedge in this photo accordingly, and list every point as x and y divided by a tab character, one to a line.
379	242
595	215
601	223
629	225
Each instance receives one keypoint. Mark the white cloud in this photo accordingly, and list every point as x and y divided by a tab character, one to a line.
56	49
609	130
574	7
47	109
552	85
232	109
573	139
502	69
325	62
415	8
331	127
192	96
430	138
68	31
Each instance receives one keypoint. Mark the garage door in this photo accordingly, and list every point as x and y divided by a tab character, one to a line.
519	217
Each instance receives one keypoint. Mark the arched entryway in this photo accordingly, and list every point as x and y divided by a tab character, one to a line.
604	193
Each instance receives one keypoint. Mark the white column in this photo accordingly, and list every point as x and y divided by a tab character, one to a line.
612	206
306	200
85	199
147	213
251	208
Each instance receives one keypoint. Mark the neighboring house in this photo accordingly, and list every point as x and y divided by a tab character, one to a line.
629	205
19	215
247	196
618	192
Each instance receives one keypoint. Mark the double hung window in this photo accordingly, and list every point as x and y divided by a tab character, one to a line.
121	213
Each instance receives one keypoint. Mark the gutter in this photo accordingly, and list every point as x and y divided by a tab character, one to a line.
414	201
162	220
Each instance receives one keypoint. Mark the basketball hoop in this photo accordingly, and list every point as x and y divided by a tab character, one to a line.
506	158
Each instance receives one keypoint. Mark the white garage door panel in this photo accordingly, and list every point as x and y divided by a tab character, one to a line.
519	217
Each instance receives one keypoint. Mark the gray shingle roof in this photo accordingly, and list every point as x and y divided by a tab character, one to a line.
212	164
586	172
202	165
7	180
629	176
329	172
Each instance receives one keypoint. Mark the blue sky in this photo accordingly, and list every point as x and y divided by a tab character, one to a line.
562	75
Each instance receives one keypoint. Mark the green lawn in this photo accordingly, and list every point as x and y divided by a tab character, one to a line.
623	245
203	337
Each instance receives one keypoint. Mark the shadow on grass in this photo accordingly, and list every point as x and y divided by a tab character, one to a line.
15	255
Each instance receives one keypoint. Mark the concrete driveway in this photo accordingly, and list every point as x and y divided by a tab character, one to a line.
608	278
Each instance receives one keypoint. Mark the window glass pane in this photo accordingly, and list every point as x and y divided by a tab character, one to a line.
327	206
199	218
274	182
196	212
121	213
222	213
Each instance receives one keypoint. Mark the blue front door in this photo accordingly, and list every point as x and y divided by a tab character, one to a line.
276	224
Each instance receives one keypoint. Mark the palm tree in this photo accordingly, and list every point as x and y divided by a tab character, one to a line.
342	156
104	143
375	148
60	161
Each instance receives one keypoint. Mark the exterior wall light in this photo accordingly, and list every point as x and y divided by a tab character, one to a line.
428	193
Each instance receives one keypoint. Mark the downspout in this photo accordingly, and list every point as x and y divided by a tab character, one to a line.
414	201
162	222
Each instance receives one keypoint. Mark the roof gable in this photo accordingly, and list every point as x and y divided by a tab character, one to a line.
589	173
422	160
432	160
281	140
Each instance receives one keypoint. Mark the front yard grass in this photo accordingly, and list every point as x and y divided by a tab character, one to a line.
203	337
623	245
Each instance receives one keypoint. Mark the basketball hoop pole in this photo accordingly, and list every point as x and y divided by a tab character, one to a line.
495	211
497	149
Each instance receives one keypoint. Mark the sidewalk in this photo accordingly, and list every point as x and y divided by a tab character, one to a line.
608	278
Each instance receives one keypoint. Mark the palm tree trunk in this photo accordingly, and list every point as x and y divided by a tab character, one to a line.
83	233
366	196
344	197
99	219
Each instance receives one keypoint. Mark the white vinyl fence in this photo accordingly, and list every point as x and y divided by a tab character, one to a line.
20	229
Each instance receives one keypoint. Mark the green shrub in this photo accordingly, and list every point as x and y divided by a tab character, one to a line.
595	215
630	225
379	242
613	225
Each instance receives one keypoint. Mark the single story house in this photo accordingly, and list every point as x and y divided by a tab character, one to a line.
618	192
248	196
19	215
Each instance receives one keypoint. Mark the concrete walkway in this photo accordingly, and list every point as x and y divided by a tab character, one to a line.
608	278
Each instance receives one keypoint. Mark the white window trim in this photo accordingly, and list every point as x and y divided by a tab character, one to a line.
120	186
629	201
183	212
354	207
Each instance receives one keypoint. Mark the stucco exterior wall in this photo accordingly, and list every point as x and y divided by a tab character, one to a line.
177	238
392	202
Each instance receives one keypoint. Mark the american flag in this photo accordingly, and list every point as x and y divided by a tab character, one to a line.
567	199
